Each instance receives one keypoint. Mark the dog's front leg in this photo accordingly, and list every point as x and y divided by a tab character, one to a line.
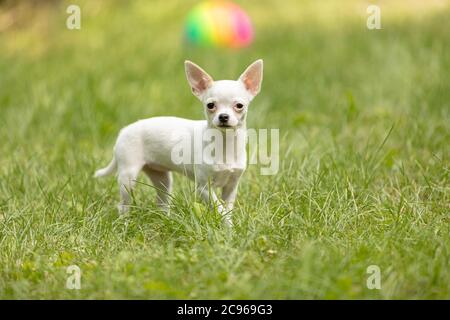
209	196
229	192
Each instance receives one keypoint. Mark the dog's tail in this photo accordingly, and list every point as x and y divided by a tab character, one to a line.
107	170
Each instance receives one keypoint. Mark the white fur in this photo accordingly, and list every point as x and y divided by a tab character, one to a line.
147	145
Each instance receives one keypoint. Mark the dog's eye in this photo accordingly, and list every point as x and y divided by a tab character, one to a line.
211	105
239	105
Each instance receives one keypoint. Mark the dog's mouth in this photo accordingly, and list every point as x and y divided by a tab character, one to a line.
224	125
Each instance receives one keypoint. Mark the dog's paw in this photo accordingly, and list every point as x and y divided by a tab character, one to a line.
227	221
226	215
123	209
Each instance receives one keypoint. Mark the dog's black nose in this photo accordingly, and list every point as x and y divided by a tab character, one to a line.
223	117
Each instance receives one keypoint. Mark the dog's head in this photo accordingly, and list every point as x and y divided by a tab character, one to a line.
226	101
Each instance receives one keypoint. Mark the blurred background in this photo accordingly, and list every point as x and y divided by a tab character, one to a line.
321	61
364	128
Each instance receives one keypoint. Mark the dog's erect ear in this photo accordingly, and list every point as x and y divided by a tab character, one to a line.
198	79
252	77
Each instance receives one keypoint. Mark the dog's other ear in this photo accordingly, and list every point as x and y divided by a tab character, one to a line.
252	77
198	79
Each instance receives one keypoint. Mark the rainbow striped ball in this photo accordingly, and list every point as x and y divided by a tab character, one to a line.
219	24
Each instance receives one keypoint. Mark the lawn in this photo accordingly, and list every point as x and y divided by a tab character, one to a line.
364	154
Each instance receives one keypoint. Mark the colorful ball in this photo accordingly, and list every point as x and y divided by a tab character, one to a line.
219	24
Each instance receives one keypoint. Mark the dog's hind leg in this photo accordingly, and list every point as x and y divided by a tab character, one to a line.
127	180
162	181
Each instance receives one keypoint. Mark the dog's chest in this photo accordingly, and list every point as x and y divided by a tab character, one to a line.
221	174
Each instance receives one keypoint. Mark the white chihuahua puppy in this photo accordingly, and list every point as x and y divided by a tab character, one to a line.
148	145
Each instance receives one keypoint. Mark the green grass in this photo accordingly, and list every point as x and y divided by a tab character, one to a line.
364	173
